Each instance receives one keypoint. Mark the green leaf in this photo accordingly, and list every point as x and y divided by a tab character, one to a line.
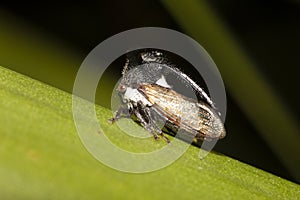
42	156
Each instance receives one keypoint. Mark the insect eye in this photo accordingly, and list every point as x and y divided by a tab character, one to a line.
122	88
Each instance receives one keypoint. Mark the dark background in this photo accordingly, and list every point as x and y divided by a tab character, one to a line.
267	30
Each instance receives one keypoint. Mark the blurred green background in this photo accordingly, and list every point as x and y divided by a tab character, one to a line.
254	43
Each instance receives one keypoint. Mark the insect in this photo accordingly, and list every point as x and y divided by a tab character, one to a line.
150	100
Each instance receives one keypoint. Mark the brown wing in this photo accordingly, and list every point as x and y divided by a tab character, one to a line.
188	114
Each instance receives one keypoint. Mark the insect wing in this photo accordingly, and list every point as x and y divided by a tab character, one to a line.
186	113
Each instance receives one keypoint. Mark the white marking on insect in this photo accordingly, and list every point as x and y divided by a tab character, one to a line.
162	82
134	95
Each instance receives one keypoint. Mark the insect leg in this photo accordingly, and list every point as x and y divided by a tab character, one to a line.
151	125
121	112
145	124
144	117
162	135
154	121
